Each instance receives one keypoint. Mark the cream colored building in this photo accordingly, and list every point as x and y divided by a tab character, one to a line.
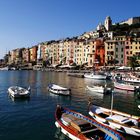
132	47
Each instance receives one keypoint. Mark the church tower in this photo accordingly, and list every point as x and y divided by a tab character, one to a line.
108	23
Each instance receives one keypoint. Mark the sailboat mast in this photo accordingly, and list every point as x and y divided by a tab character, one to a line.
111	103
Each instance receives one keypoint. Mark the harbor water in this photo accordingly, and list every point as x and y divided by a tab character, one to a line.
33	119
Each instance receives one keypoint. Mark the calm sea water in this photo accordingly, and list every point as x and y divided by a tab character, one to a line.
33	119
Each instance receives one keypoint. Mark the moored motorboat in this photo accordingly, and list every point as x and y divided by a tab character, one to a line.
95	76
79	127
18	92
125	86
56	89
131	79
99	89
117	120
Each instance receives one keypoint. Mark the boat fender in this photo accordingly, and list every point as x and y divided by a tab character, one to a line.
106	122
57	125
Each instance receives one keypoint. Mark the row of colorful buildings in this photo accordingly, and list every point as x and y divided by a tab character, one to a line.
102	47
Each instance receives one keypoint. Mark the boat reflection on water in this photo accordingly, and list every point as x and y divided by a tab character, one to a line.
123	91
19	99
94	81
94	94
59	135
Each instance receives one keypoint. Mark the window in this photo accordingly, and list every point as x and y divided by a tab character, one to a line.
108	57
127	47
127	57
130	52
116	56
116	49
90	62
122	49
122	56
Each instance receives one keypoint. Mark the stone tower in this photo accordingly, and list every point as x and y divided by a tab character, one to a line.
108	23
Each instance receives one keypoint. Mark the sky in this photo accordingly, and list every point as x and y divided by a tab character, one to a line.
25	23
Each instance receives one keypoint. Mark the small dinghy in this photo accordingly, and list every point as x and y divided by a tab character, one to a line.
19	92
56	89
99	89
95	76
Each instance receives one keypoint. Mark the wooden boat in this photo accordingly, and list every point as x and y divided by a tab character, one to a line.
79	127
56	89
99	89
117	120
18	92
95	76
124	86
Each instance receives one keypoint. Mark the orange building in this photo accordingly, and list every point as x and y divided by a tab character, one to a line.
33	54
99	52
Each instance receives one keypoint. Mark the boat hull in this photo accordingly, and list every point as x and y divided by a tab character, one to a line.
122	86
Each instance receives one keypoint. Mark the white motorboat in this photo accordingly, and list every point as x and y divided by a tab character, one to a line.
95	76
79	127
125	86
94	88
56	89
99	89
4	68
131	79
18	92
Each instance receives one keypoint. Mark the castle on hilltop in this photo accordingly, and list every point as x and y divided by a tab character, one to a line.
130	21
108	23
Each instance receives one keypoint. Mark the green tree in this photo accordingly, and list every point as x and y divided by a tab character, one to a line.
133	62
